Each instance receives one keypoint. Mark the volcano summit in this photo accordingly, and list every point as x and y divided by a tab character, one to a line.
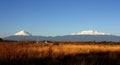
88	35
22	33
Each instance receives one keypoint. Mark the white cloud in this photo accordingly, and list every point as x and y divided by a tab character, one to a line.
90	32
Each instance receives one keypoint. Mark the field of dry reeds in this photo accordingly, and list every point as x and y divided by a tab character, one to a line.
59	53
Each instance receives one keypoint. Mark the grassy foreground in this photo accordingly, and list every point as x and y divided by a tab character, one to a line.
62	53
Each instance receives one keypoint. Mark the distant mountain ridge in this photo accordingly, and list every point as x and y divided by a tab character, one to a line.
78	37
90	32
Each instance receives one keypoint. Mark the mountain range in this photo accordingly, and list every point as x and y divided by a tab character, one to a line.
89	35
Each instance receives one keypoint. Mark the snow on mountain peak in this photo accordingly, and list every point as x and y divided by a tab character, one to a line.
90	32
22	33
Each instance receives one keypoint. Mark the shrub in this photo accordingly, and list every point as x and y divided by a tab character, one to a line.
56	43
1	39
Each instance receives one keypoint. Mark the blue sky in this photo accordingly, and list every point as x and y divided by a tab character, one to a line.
59	17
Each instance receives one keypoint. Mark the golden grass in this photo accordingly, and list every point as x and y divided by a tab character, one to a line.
17	51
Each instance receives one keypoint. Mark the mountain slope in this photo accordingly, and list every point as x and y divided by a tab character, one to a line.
68	38
88	38
83	36
23	33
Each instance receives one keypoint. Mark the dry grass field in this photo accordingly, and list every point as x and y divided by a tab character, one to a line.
59	53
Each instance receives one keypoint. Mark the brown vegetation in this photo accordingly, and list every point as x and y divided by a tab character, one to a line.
59	53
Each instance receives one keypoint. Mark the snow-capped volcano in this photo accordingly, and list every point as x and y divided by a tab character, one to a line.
90	32
22	33
89	35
